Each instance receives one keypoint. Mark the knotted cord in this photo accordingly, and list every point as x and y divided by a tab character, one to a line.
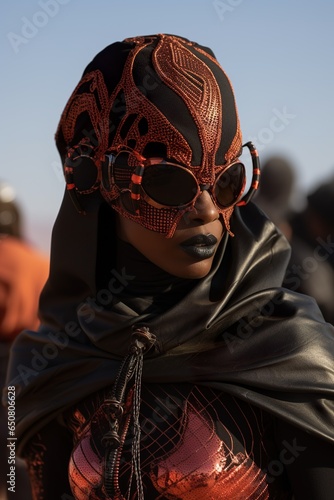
132	366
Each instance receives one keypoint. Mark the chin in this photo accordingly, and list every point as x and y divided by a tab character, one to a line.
196	271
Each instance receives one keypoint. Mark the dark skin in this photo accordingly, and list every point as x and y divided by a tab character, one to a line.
167	253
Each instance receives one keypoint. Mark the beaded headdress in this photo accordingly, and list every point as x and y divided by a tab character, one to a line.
158	95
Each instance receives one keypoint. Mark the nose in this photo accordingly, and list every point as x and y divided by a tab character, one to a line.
204	211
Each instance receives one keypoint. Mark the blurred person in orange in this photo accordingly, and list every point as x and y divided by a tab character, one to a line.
23	272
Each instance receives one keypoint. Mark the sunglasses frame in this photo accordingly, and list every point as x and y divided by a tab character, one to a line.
105	176
136	188
75	154
200	187
255	174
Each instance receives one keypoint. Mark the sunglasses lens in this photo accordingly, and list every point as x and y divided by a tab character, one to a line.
230	185
169	185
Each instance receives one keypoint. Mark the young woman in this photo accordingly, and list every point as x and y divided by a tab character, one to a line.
170	364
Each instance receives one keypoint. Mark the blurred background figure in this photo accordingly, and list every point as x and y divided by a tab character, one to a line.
277	187
23	272
311	268
310	230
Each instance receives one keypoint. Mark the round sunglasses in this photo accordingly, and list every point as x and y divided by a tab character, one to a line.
168	185
161	183
164	184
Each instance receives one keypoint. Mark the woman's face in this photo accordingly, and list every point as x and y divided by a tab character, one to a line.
190	252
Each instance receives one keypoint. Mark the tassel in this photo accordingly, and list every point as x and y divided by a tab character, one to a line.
132	366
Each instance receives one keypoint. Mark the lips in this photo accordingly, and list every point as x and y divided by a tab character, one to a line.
201	246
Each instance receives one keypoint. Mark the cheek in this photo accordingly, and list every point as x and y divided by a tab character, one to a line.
142	239
124	228
151	245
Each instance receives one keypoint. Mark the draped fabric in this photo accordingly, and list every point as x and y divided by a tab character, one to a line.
236	330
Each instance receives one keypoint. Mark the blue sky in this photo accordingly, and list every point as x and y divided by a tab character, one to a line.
277	53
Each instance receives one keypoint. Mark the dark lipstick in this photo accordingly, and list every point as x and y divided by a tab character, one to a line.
201	246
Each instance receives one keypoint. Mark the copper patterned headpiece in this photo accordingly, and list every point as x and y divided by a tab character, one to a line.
159	95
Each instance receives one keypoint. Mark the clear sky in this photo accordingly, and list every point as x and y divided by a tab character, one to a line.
277	53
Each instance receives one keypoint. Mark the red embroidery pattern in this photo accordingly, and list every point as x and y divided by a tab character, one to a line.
89	112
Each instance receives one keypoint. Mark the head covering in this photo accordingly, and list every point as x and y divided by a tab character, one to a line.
158	95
